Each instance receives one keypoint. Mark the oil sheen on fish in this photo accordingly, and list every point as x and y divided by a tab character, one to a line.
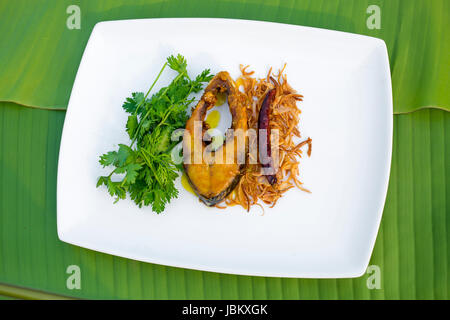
213	177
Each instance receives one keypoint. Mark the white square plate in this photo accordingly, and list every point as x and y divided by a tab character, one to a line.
347	111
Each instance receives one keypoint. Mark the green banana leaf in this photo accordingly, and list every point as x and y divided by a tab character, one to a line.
411	250
39	56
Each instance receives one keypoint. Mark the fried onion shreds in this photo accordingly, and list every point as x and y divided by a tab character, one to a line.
284	116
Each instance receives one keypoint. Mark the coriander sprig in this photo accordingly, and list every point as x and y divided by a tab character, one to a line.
146	166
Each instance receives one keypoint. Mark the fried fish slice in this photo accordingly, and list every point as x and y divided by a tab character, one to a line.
210	174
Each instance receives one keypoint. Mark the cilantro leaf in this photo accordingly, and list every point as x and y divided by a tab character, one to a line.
178	64
130	105
108	159
131	171
132	125
124	154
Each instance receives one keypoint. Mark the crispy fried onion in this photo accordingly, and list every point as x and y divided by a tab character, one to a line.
253	186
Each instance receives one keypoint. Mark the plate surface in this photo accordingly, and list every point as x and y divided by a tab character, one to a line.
347	111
